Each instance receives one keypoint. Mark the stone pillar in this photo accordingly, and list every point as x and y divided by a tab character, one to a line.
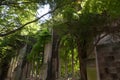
97	66
109	61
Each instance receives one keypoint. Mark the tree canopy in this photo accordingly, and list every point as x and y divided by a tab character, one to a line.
73	28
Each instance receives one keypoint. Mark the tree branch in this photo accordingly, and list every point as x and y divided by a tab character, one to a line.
13	31
95	44
13	3
99	38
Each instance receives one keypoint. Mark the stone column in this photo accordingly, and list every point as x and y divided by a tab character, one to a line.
97	67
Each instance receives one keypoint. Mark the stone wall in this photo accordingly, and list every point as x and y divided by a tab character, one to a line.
108	56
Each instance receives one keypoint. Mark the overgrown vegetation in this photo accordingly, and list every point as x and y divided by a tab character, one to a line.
74	28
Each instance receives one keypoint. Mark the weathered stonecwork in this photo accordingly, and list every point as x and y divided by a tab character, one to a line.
108	56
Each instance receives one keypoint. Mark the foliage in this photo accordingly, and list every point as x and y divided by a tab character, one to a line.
74	20
100	6
16	13
67	50
8	48
36	55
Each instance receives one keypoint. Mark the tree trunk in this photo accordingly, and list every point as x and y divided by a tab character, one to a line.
18	69
24	71
66	69
72	64
82	55
53	70
4	69
47	57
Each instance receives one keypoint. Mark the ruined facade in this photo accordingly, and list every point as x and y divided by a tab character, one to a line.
108	60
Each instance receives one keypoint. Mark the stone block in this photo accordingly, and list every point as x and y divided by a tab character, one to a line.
109	59
112	70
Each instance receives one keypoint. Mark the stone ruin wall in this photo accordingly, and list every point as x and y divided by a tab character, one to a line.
108	56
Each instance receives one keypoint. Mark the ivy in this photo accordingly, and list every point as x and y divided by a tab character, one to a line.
37	51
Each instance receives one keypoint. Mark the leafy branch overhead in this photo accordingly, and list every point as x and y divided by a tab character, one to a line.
19	28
